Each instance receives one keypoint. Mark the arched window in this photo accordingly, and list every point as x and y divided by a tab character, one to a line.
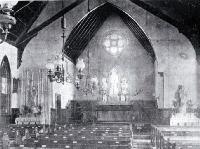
5	87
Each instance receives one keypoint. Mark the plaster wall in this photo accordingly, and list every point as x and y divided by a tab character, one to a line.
175	54
11	52
133	63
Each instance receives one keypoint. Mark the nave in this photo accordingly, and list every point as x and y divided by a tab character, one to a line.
100	136
100	74
97	136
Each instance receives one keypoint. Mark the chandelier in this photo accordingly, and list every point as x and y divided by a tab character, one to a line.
6	20
55	66
90	82
56	70
57	73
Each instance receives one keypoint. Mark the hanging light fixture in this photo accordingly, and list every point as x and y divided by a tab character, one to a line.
80	66
6	20
55	69
91	83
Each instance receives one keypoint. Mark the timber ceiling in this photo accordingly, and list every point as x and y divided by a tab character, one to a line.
89	25
183	14
176	12
25	13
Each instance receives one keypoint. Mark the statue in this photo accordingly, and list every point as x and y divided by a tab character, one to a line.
104	89
34	95
180	96
114	83
124	89
184	115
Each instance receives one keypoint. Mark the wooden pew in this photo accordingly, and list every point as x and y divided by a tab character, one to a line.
100	136
164	137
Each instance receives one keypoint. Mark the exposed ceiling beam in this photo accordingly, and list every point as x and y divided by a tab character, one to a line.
16	11
88	27
188	21
156	11
28	26
34	31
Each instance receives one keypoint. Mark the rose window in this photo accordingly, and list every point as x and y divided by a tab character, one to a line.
114	44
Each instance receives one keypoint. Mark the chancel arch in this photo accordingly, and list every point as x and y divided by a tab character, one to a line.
123	53
5	89
121	71
88	26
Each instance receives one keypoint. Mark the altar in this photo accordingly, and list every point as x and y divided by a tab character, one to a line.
114	113
137	110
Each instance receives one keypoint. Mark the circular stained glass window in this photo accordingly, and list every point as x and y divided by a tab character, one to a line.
114	43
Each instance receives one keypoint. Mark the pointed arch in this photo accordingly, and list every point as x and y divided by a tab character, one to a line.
6	65
88	26
5	90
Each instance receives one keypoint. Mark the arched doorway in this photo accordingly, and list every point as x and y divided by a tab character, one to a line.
5	90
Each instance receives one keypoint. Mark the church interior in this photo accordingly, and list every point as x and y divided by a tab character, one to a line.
94	74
